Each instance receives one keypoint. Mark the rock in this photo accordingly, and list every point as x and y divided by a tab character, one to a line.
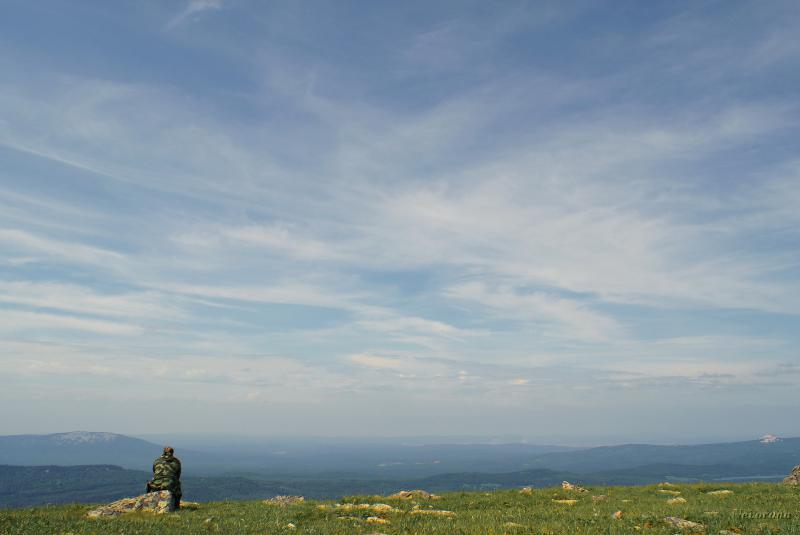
670	492
719	492
794	477
283	501
290	526
566	502
433	512
676	501
566	485
665	484
153	502
526	490
512	525
684	524
377	507
376	520
617	515
417	494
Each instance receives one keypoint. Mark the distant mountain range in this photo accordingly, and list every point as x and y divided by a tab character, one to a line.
749	458
77	448
85	467
336	458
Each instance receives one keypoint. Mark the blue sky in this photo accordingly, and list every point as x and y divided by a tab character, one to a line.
575	222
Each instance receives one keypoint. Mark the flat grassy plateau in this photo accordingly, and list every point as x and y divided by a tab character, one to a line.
753	508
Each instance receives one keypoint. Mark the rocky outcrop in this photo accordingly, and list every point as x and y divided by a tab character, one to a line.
794	477
153	502
283	501
414	494
566	485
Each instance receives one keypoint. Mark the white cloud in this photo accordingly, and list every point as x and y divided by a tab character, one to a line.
414	324
375	361
16	321
74	298
282	239
572	318
404	366
24	241
193	9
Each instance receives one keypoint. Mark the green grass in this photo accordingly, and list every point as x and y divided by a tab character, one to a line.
754	508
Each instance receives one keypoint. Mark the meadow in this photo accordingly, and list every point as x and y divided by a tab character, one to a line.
753	508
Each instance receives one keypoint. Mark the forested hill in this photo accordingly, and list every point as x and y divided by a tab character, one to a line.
22	486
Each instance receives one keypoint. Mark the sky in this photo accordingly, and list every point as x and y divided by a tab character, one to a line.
574	222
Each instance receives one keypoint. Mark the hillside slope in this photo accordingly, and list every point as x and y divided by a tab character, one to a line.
746	508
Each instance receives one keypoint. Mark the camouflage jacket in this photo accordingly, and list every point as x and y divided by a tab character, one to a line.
166	471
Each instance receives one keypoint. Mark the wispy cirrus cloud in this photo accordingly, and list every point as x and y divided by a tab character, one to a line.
449	212
192	10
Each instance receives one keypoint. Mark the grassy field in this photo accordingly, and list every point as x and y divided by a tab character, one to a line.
750	509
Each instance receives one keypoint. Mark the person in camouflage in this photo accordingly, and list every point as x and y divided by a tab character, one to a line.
167	475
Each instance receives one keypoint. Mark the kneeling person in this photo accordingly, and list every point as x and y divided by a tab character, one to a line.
167	476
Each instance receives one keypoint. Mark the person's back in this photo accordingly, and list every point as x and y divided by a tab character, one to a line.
167	475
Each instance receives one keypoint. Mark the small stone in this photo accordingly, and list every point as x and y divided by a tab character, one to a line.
665	484
290	526
566	485
432	512
512	525
684	524
676	501
526	490
671	492
617	515
566	502
376	520
719	492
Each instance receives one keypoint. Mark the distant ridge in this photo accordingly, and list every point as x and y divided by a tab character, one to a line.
365	460
750	456
77	448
